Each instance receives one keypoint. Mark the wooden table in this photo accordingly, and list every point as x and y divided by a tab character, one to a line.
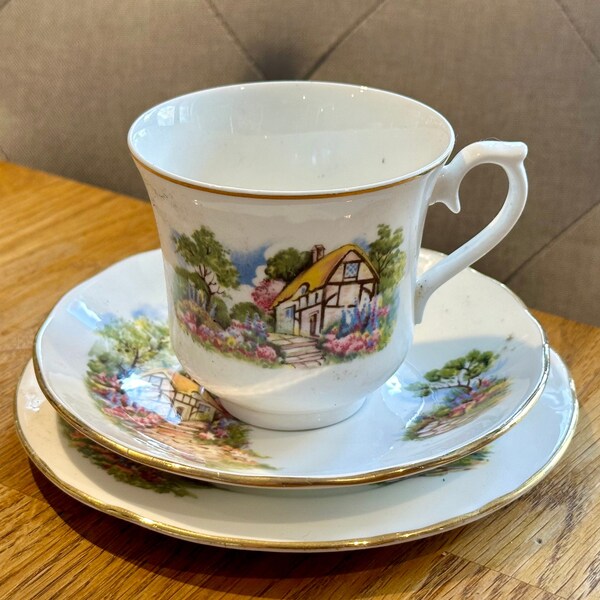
55	233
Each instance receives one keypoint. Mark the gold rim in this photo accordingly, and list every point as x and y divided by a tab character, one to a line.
270	481
347	544
282	195
286	481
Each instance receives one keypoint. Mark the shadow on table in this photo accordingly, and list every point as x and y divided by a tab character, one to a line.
148	555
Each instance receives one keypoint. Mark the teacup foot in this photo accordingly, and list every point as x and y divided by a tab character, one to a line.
292	421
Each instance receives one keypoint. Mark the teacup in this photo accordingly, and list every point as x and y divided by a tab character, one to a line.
290	217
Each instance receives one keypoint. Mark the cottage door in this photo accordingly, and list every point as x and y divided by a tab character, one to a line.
313	325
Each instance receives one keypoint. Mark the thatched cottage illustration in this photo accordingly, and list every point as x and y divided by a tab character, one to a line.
340	280
186	397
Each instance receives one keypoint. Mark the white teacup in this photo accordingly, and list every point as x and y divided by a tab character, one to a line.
290	217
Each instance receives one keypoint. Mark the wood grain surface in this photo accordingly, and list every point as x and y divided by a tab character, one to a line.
54	234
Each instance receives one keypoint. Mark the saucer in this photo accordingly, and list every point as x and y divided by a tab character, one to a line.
302	520
479	362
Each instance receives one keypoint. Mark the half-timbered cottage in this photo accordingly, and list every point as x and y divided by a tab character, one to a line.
184	395
317	297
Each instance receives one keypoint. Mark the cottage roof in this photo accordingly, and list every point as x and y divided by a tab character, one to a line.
317	274
180	382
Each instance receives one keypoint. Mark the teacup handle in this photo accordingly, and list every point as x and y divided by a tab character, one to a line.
508	155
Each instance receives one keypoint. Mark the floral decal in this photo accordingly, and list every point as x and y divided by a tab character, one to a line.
128	471
359	331
466	463
137	382
138	475
247	340
462	387
307	308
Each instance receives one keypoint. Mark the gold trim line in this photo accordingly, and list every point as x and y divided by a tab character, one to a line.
266	481
269	481
346	544
281	195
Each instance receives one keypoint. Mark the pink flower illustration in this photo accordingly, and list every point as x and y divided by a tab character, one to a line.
265	292
266	353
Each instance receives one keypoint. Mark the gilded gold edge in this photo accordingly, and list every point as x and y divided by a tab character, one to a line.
267	481
348	544
282	195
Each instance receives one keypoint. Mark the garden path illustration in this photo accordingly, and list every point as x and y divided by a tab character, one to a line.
298	351
301	308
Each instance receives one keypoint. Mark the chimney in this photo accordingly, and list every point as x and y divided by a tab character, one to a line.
318	252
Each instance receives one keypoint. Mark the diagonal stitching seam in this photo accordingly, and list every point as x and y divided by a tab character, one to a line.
580	35
233	37
342	38
550	243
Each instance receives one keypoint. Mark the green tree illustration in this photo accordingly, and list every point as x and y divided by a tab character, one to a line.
220	313
459	373
211	271
127	345
287	264
241	310
386	256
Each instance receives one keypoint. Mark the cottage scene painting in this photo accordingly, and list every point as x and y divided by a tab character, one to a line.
459	390
309	307
137	383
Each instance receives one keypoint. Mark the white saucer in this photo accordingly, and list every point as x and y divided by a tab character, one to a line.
301	520
396	433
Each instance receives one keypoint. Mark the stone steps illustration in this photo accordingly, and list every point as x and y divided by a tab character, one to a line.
307	357
300	349
185	432
299	352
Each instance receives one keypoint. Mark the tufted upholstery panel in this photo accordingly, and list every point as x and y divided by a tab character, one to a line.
73	75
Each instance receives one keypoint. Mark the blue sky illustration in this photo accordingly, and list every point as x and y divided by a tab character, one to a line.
96	320
362	242
247	262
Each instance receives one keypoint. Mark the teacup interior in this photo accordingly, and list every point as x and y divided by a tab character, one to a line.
291	137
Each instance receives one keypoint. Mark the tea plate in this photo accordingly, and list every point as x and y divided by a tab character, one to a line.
478	364
301	520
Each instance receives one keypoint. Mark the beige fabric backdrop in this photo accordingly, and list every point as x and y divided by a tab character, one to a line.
73	75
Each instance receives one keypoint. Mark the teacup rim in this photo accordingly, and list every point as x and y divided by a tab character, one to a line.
214	188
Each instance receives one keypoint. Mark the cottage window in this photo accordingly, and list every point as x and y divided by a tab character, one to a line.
289	312
351	270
